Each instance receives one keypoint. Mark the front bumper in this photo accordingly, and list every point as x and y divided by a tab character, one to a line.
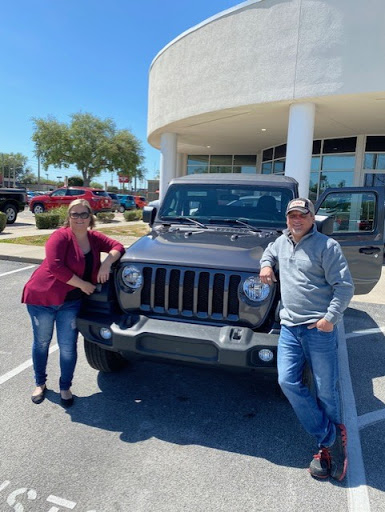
140	336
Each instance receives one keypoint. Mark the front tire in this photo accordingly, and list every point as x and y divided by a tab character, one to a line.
11	212
122	209
102	359
38	208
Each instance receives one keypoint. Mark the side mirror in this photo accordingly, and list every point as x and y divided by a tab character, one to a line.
324	224
149	214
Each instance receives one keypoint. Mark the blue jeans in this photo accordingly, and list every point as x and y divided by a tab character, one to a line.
43	320
320	413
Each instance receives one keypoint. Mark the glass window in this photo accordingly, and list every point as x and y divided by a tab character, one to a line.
351	211
316	147
267	155
370	161
197	159
313	186
279	166
267	168
374	180
59	193
374	161
193	169
280	151
336	162
316	163
345	145
248	160
244	169
220	168
375	143
221	160
336	179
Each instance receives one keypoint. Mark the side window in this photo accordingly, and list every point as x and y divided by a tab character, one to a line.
76	192
59	193
352	212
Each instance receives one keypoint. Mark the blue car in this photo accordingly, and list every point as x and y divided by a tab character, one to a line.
126	202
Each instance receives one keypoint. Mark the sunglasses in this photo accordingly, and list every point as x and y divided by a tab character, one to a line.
83	215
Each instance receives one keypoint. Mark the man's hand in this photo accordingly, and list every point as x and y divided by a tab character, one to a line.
322	325
267	276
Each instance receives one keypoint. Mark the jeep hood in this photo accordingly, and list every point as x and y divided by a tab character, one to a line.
222	249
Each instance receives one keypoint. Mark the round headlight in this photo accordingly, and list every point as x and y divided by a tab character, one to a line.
255	290
265	355
105	333
132	277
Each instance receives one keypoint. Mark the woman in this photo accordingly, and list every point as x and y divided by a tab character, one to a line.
54	292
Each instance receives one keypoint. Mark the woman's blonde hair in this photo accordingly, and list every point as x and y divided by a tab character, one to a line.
85	203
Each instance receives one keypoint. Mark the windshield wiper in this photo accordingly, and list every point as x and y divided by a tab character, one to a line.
193	221
237	221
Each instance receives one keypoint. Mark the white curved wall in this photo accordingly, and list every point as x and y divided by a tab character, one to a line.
269	51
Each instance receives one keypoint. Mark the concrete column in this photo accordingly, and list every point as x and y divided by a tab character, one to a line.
181	164
300	144
168	144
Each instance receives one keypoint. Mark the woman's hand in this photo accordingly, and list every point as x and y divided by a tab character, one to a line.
104	272
87	287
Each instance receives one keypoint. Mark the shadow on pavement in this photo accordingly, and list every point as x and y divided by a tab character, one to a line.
198	406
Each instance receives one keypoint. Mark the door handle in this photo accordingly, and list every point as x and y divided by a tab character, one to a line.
369	250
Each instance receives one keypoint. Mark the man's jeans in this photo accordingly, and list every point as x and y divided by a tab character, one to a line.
298	345
43	320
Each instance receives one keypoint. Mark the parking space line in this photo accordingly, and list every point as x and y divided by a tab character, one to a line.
365	332
358	495
17	270
371	417
22	367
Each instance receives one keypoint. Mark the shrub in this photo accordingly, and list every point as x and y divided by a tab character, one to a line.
131	215
3	221
62	212
105	217
47	220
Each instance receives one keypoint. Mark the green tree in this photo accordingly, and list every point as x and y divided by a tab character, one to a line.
92	144
74	181
13	165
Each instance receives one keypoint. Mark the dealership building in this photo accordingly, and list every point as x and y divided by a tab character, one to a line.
293	87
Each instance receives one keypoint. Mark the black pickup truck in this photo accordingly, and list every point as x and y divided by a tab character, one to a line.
190	290
12	201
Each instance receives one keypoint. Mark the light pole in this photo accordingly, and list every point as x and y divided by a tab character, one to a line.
58	178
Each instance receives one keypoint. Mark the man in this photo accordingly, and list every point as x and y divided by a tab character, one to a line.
316	288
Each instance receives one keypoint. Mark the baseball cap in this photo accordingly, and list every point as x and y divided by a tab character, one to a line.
300	204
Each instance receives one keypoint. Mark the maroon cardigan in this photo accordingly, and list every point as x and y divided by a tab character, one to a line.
64	258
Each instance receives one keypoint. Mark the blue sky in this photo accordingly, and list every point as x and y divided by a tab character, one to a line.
59	57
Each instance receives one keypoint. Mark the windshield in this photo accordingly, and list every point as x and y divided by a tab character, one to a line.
257	205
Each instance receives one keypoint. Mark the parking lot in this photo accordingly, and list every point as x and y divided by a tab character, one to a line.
160	437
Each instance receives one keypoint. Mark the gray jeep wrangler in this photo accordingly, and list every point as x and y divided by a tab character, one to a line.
189	291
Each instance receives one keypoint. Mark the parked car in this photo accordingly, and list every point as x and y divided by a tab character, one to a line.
12	201
127	202
140	201
99	200
189	291
115	201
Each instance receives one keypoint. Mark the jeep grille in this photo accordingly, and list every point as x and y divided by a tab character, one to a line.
201	294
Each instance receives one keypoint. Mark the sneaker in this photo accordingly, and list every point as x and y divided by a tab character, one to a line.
338	454
320	465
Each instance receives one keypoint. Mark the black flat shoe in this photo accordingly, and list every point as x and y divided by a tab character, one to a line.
37	399
67	402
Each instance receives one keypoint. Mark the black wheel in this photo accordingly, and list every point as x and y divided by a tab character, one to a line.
11	212
122	209
38	208
103	360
